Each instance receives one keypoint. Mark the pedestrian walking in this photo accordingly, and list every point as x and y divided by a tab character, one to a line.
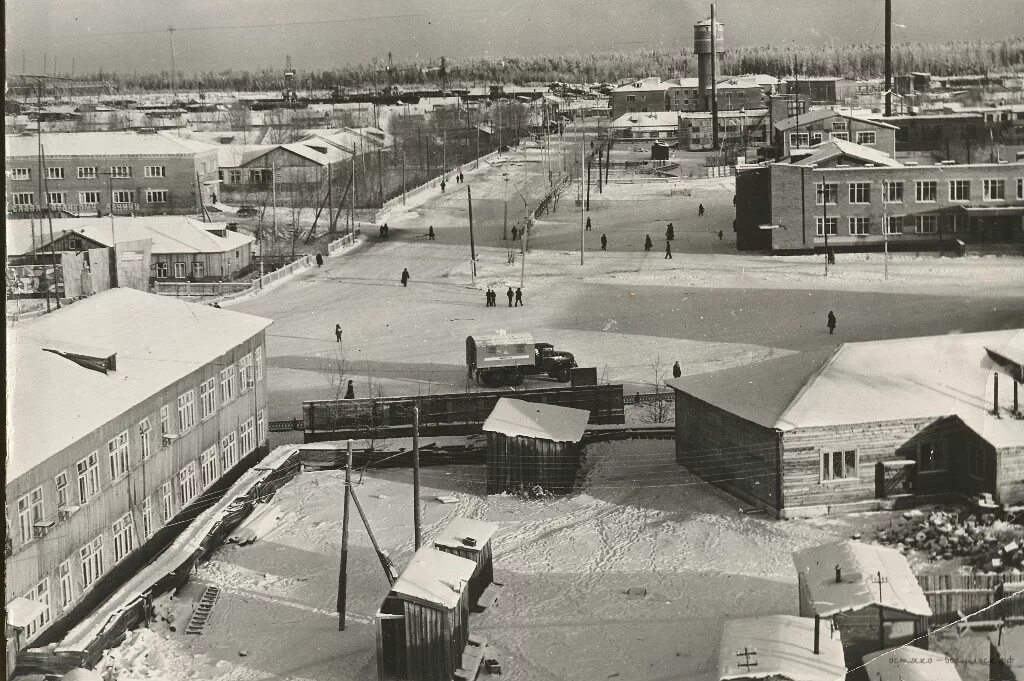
668	249
319	260
677	371
337	333
381	231
648	244
442	186
405	277
519	297
350	392
487	297
589	226
700	209
831	322
670	232
720	235
386	230
462	178
430	233
510	296
515	233
831	255
604	242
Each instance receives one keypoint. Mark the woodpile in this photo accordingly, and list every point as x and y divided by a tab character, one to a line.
946	535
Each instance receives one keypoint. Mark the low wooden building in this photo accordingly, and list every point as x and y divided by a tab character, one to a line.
423	624
780	648
868	592
910	663
531	444
470	539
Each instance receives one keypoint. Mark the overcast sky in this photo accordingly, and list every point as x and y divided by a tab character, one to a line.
326	33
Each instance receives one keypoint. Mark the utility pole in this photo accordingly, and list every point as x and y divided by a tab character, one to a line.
416	474
330	200
888	57
715	142
53	254
403	178
472	246
583	211
885	229
380	176
174	71
343	565
824	219
273	191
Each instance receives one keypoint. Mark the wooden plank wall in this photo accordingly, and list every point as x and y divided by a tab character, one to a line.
483	574
1011	480
435	639
520	461
949	594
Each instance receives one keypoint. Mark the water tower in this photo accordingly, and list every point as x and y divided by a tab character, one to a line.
702	47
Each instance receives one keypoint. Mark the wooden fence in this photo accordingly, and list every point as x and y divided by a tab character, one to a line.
949	596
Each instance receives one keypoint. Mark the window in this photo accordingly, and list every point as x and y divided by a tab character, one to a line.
892	192
827	192
208	464
260	175
61	483
630	98
92	561
816	137
124	538
246	437
118	451
67	586
180	270
258	357
156	196
841	465
186	412
120	171
145	443
957	222
147	518
88	477
227	384
161	270
993	190
25	520
167	501
198	269
86	172
841	136
165	422
799	139
229	450
925	224
21	173
55	173
926	190
55	198
89	198
959	190
866	137
124	196
860	192
1020	187
931	457
894	224
860	226
40	592
23	199
235	176
207	399
245	374
831	222
155	171
261	428
839	125
187	483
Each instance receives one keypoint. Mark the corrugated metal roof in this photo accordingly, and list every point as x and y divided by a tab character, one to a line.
516	418
434	578
465	528
910	663
860	564
783	647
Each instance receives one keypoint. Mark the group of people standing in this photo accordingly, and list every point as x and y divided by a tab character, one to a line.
384	231
517	295
459	179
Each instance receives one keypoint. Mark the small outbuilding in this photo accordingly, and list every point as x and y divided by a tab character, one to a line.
780	648
470	539
423	624
867	591
909	663
533	444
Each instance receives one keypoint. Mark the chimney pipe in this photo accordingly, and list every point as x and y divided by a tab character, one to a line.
839	575
995	395
817	633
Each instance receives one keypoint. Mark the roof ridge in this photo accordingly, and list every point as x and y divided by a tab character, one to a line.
807	384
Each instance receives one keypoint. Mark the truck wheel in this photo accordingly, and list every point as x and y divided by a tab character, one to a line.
516	378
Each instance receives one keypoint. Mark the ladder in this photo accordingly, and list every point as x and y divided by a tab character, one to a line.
202	612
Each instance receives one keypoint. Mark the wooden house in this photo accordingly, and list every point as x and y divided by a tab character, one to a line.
470	539
867	592
910	663
530	444
781	648
423	624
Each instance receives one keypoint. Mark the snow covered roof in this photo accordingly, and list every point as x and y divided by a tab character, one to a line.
816	115
910	663
237	155
652	84
465	528
22	611
516	418
169	233
323	154
833	147
159	340
783	647
684	82
647	119
859	565
434	578
64	144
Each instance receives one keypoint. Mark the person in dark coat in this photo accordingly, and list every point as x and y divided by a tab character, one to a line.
386	230
700	209
442	186
510	296
319	260
831	322
430	233
519	297
381	230
350	392
677	371
670	232
604	242
668	249
720	235
589	226
648	244
515	233
831	255
405	277
337	333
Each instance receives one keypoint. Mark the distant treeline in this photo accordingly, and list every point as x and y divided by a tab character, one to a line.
852	61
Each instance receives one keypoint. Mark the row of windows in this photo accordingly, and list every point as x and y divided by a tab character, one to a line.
89	172
892	224
925	191
931	457
192	479
803	139
90	198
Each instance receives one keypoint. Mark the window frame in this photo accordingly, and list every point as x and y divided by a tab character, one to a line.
859	193
167	500
863	134
63	491
60	198
21	174
888	194
920	185
227	384
67	584
157	196
147	518
154	171
83	198
887	225
820	222
826	472
145	439
987	184
122	532
94	560
247	437
119	456
55	172
959	196
122	193
24	509
207	399
121	172
188	483
186	411
229	451
921	218
863	225
825	190
87	172
89	477
19	199
208	469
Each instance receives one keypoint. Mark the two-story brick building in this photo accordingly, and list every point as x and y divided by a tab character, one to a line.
142	172
127	412
820	125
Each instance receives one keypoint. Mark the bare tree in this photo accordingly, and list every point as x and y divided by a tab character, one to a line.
658	410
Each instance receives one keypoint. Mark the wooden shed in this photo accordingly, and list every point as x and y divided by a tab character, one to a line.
780	648
470	539
423	624
532	444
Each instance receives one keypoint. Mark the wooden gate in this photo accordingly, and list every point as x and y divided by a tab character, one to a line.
894	478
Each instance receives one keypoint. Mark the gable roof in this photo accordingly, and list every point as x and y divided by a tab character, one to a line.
784	646
322	154
859	564
910	663
516	418
238	155
129	143
434	578
831	148
465	528
815	115
158	340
